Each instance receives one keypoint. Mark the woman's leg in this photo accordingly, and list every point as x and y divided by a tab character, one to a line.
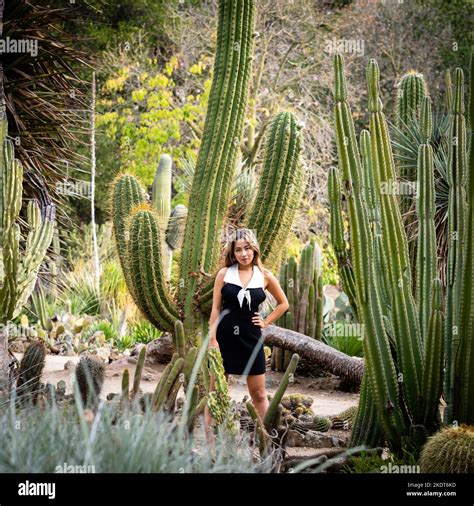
256	385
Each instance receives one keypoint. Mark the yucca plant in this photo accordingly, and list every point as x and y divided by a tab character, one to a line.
404	339
45	95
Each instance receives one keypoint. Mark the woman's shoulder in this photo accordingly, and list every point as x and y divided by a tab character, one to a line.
267	273
221	273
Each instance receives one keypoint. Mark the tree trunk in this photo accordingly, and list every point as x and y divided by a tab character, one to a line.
4	361
330	359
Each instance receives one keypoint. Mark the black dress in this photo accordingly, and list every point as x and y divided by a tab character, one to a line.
240	340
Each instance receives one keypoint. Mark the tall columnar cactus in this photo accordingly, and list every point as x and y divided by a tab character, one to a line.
338	241
303	286
19	263
138	233
171	221
403	344
412	90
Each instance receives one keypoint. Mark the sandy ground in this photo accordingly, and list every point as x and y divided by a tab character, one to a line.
328	400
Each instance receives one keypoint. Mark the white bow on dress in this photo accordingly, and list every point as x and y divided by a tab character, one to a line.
256	281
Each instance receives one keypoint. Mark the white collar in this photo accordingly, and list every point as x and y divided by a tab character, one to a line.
232	276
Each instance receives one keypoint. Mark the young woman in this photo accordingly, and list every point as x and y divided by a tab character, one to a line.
236	330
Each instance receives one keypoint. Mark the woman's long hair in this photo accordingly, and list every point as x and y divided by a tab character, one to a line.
236	235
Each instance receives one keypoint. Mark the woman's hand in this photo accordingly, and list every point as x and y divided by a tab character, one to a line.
257	320
213	343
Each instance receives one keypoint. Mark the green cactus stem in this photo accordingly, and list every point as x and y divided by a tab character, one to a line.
146	268
125	399
138	372
412	90
217	155
270	415
457	221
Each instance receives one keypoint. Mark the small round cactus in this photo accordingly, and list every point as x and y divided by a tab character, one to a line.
451	450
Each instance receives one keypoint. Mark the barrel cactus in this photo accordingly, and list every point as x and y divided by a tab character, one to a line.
140	234
303	285
20	258
404	317
451	450
31	367
89	378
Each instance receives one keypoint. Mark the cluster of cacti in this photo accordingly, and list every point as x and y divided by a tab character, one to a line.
18	269
89	376
31	367
451	450
127	396
176	373
270	434
403	345
297	405
303	286
317	423
139	233
218	400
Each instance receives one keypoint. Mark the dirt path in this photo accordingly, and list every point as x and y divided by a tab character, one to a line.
328	399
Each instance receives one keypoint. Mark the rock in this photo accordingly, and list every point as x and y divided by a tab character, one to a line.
314	439
136	349
271	382
160	350
103	353
69	365
147	377
17	346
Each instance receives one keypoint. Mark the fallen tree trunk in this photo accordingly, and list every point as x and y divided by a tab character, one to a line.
330	359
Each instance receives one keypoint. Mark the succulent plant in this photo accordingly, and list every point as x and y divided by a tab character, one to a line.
31	367
403	318
89	376
451	450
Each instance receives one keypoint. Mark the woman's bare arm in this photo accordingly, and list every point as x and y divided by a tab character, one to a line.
216	307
